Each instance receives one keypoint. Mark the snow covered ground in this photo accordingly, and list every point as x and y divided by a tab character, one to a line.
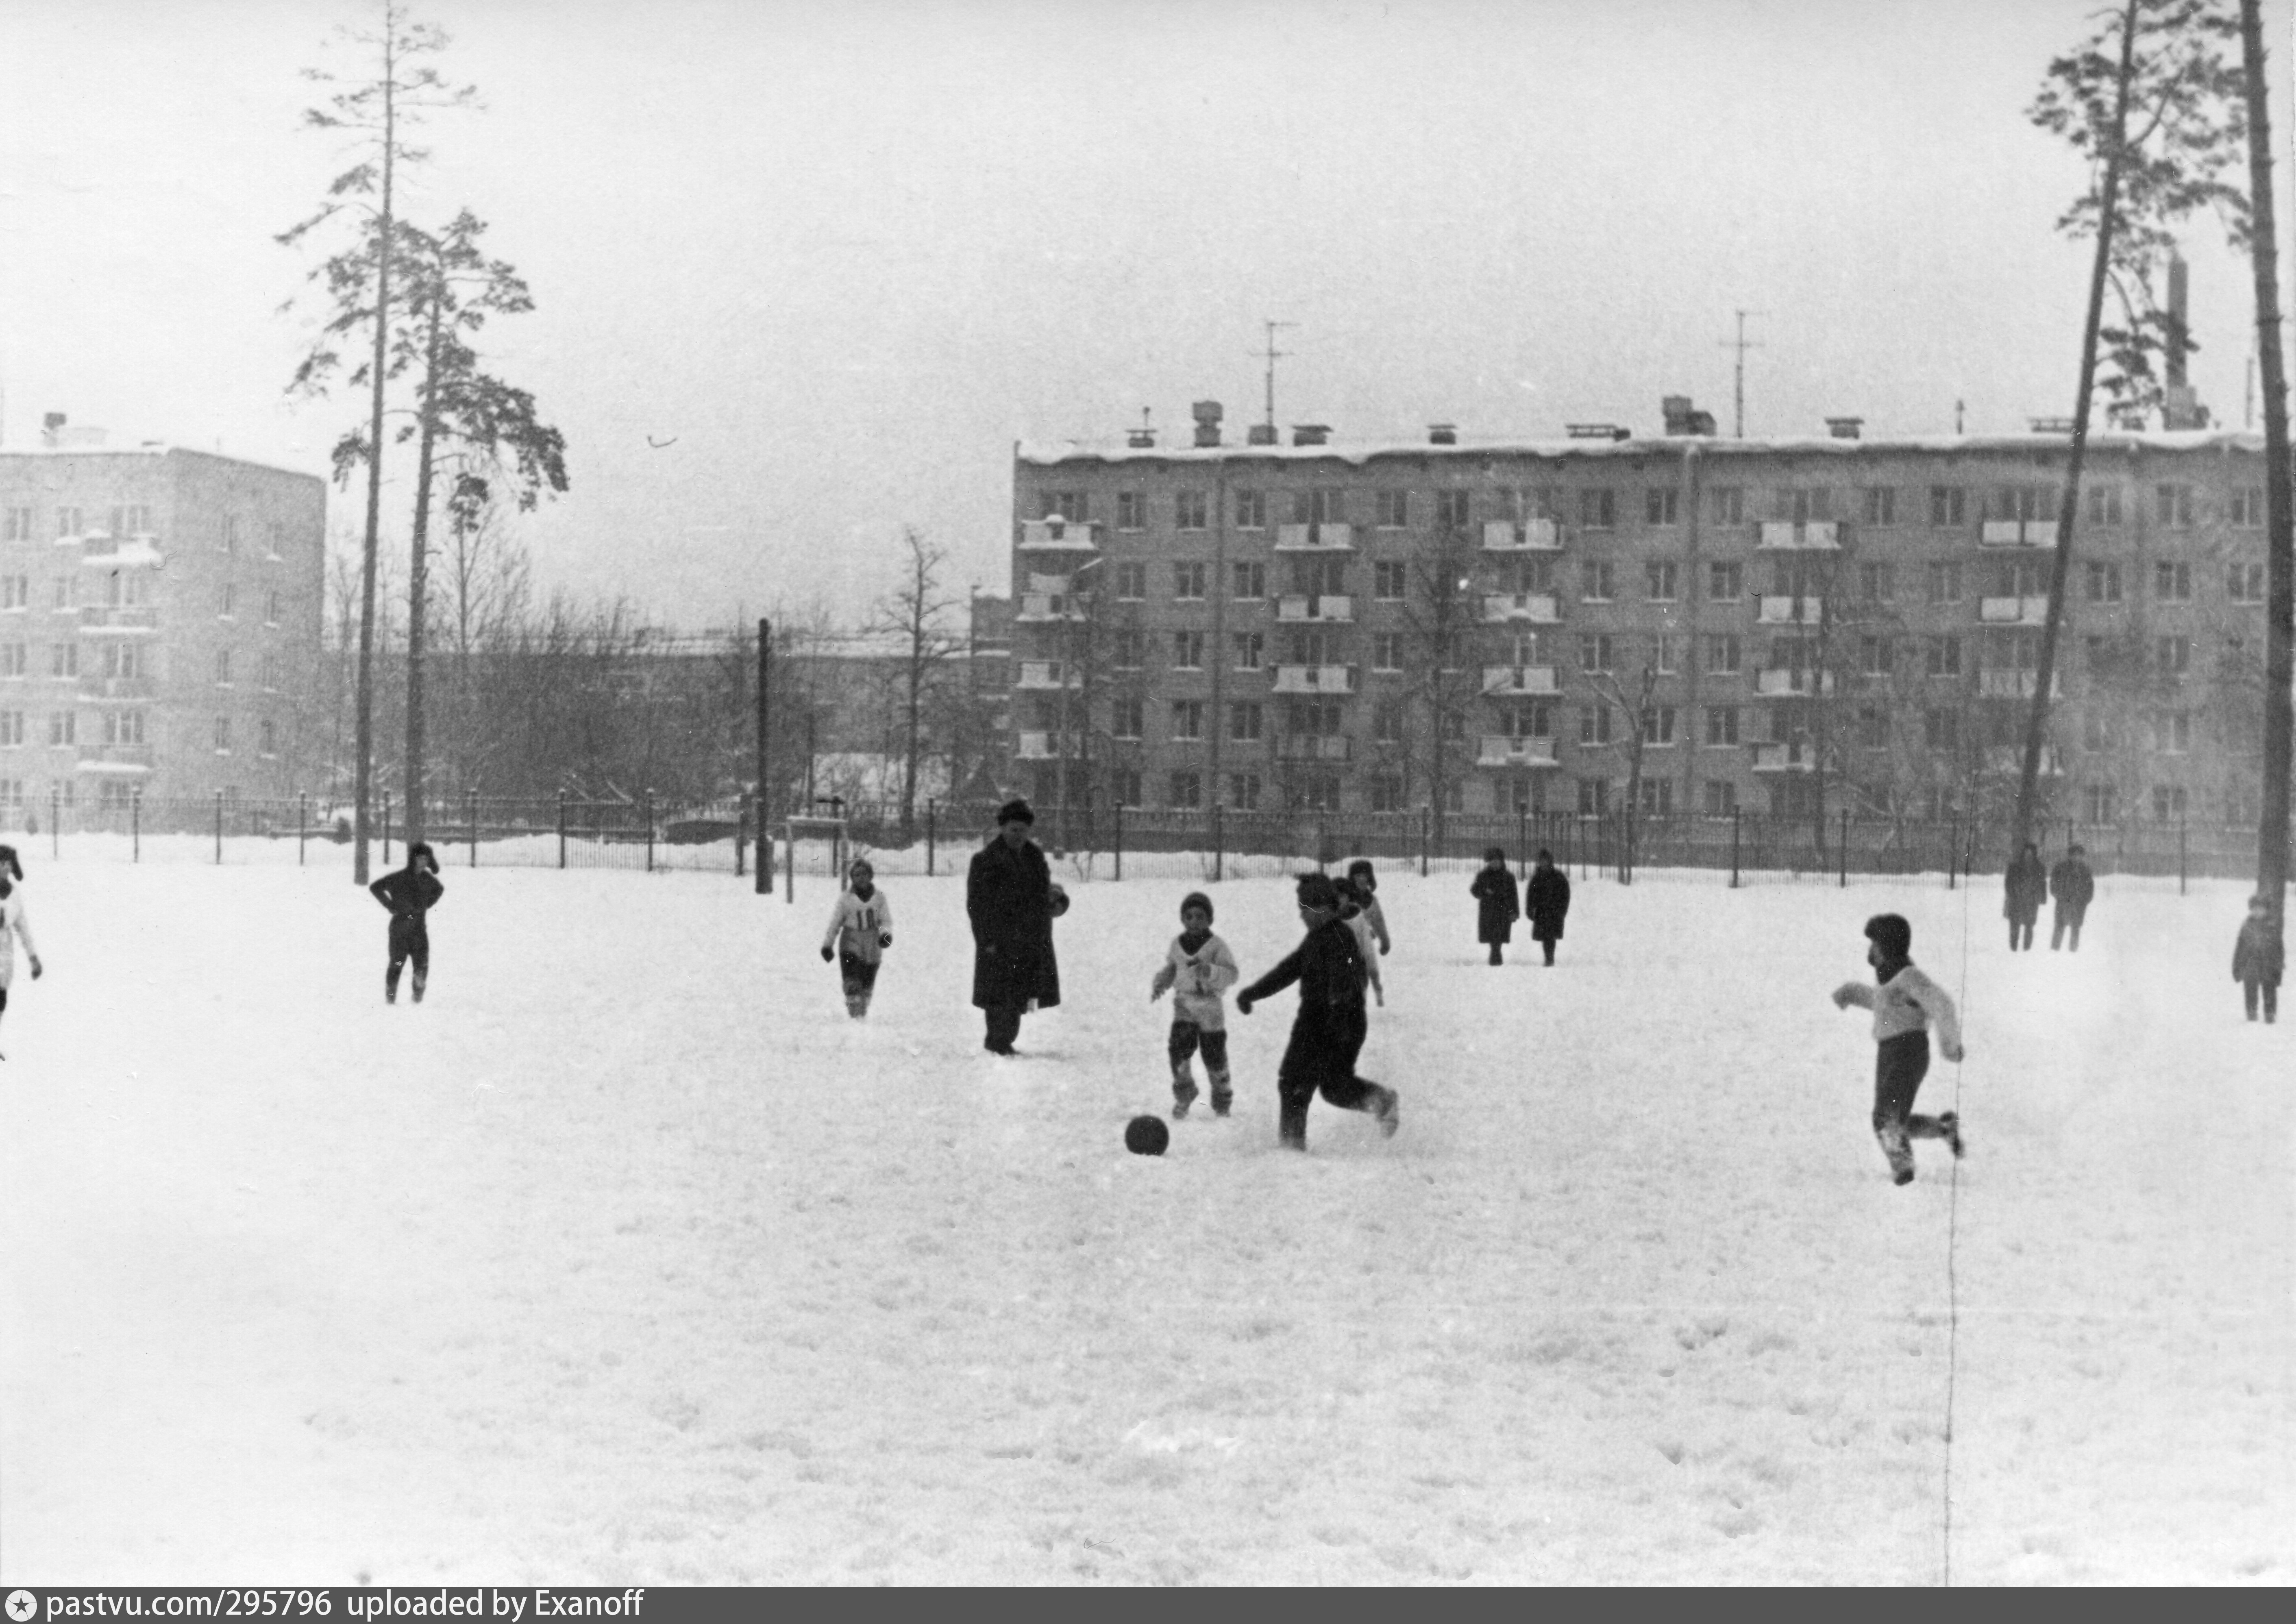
626	1258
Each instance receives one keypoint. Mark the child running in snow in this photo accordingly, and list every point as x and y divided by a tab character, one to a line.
410	893
13	924
1198	969
1328	1032
860	930
1905	1003
2255	958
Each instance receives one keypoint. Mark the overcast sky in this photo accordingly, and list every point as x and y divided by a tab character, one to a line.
845	256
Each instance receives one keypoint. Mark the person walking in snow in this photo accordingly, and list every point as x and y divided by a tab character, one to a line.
1353	915
2255	958
409	894
13	924
1497	907
1546	900
1197	969
2023	889
1327	1033
1010	902
1905	1003
2074	886
860	930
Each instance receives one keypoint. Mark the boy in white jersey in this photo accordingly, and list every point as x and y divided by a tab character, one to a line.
1905	1003
14	925
860	930
1198	968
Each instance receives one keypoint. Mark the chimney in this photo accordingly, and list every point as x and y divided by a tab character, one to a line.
1683	418
1443	434
1845	428
1260	434
2180	406
1597	431
1143	437
51	429
1310	433
1207	423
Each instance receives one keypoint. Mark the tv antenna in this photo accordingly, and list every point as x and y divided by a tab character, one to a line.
1741	344
1272	355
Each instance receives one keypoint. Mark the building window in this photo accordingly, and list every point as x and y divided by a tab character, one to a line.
2173	655
15	591
1594	651
1723	653
1721	798
1250	580
1387	652
1877	583
1127	651
1665	653
2104	505
1729	504
1595	580
1661	580
1451	510
1873	655
2099	801
1944	656
64	727
12	728
1124	718
1880	504
1192	510
226	601
2172	732
1660	505
231	532
1244	721
127	726
1187	719
1073	505
1251	510
1658	724
2172	583
1131	582
1873	727
1595	725
1187	651
127	589
1803	506
1725	582
1947	506
1721	725
1249	648
64	593
1131	509
1598	506
1389	579
2168	802
2096	731
1394	509
1324	504
1941	729
1187	583
131	519
68	524
1387	793
2244	507
13	658
16	524
2172	506
1124	786
63	660
2105	583
2244	583
1387	722
1945	582
1244	790
1187	789
1594	796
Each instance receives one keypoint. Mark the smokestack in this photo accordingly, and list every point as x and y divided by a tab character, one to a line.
1260	434
1683	418
51	428
1443	434
1310	433
1845	428
1207	423
2176	328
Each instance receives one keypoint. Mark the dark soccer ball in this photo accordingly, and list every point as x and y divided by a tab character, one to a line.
1060	902
1146	1136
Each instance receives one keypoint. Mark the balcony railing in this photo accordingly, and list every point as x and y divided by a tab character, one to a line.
2011	758
1784	758
2017	684
1780	682
1536	608
1772	609
1035	747
2017	533
1048	606
127	553
1057	536
115	760
118	688
1314	679
1501	680
1046	674
2013	611
120	622
1522	536
1315	537
1315	747
1319	607
1504	750
1811	536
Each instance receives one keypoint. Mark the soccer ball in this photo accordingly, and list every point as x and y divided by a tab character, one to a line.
1146	1136
1060	902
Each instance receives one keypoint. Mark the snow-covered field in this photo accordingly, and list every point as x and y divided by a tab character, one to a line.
626	1258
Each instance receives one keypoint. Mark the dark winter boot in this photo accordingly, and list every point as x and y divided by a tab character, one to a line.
1949	1127
391	987
419	979
1550	954
1495	954
1223	1094
1184	1092
1899	1150
1387	1110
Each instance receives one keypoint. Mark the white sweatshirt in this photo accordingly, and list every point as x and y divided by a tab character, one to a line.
1197	980
855	925
1907	1001
13	924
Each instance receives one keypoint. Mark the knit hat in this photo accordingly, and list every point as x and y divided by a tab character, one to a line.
1196	899
1317	891
1494	854
1015	811
859	867
1361	866
10	862
1891	934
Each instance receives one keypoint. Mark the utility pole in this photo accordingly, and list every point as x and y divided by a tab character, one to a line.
1741	344
1272	355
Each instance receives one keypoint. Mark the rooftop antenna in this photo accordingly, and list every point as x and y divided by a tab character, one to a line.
1741	344
1271	355
1957	407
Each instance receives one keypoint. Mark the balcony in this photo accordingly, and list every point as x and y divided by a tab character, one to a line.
1040	606
1503	682
119	622
115	760
1504	750
1533	607
1774	611
1314	679
1315	747
1787	683
2018	533
1784	758
1035	747
2011	758
1058	536
1315	537
118	688
127	553
2013	611
1524	535
1047	673
1784	536
2017	684
1316	609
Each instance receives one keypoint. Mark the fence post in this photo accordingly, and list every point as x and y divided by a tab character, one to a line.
1734	847
1426	830
1117	809
136	827
649	818
2180	854
386	828
741	831
789	864
1219	840
562	828
1953	851
1844	845
1522	842
932	832
302	826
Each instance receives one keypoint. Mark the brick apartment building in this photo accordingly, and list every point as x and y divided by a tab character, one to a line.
1781	625
159	625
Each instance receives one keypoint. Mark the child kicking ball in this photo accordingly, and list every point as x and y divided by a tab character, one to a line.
1905	1003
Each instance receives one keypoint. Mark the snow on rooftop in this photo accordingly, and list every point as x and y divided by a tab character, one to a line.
1046	454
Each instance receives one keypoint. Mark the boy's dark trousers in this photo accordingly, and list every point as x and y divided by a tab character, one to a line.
2248	991
1188	1037
1321	1060
410	939
2067	919
860	979
1899	1064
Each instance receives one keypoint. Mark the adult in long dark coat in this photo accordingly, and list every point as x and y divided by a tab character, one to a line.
1497	909
2074	887
1546	898
1012	901
2023	889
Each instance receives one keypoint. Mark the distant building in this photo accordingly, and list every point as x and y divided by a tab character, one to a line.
159	625
1829	622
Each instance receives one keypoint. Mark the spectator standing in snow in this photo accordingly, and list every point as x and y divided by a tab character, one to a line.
1328	1032
2023	889
1905	1003
1361	875
1197	969
2255	958
1546	900
1497	907
1354	914
13	924
409	894
860	930
1011	900
2074	886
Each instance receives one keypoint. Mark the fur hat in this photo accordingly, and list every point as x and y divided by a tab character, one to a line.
1015	811
1361	866
860	865
1196	899
1891	934
10	862
420	849
1317	891
1494	854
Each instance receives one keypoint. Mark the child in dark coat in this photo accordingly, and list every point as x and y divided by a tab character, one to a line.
1497	907
410	893
1905	1003
1328	1032
2255	958
1546	900
2023	889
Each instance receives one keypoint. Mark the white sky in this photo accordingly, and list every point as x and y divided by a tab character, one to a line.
845	256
